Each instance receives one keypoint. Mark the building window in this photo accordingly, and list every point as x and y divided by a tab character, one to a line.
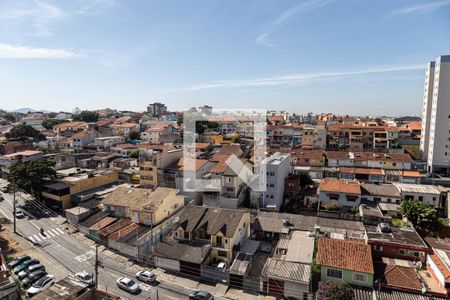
222	253
360	277
420	198
378	248
333	273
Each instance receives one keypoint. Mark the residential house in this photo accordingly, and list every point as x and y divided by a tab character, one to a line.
224	229
396	242
105	143
82	139
361	174
227	188
288	272
345	260
9	161
160	133
143	206
345	193
385	193
125	129
69	128
430	194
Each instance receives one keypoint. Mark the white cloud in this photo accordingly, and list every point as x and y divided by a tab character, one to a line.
427	7
299	78
14	51
287	15
38	14
41	16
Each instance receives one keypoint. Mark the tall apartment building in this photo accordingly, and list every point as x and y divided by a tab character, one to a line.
435	141
156	109
153	160
278	167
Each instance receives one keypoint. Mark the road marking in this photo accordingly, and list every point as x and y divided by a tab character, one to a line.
44	237
85	256
37	238
32	239
50	233
6	216
62	232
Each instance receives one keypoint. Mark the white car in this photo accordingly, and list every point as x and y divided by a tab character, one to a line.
85	278
41	285
146	276
128	285
20	214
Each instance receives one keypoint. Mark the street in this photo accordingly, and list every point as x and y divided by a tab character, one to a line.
74	256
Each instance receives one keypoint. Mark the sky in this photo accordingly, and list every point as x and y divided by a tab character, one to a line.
361	57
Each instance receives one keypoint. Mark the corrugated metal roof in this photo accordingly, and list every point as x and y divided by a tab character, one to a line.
286	270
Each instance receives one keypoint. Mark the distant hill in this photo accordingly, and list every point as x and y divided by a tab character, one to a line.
25	110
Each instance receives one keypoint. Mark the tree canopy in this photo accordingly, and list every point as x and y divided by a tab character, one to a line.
24	132
417	211
134	135
85	116
134	154
305	179
31	176
49	123
334	290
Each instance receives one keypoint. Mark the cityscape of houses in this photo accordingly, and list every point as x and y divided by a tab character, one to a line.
334	208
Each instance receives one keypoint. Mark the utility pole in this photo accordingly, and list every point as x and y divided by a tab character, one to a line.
14	206
96	266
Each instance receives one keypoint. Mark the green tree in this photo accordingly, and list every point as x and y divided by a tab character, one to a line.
417	211
49	123
24	132
86	116
31	176
305	180
134	154
134	135
9	117
334	290
180	119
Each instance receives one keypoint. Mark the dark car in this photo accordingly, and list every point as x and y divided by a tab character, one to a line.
25	265
29	270
201	295
33	277
18	260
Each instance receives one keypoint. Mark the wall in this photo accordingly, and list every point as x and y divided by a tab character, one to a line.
347	276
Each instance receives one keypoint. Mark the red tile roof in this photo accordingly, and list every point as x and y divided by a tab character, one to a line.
345	254
340	186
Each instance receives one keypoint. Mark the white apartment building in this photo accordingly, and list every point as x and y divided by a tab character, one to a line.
435	141
278	167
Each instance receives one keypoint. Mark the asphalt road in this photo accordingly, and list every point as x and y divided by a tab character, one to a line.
75	256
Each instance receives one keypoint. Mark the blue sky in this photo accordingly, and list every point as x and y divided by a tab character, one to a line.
340	56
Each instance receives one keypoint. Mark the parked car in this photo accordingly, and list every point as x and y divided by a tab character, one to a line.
25	265
128	285
29	270
201	295
20	214
41	285
85	278
33	277
18	260
146	276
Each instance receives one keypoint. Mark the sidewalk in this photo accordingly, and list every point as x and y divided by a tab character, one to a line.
176	283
